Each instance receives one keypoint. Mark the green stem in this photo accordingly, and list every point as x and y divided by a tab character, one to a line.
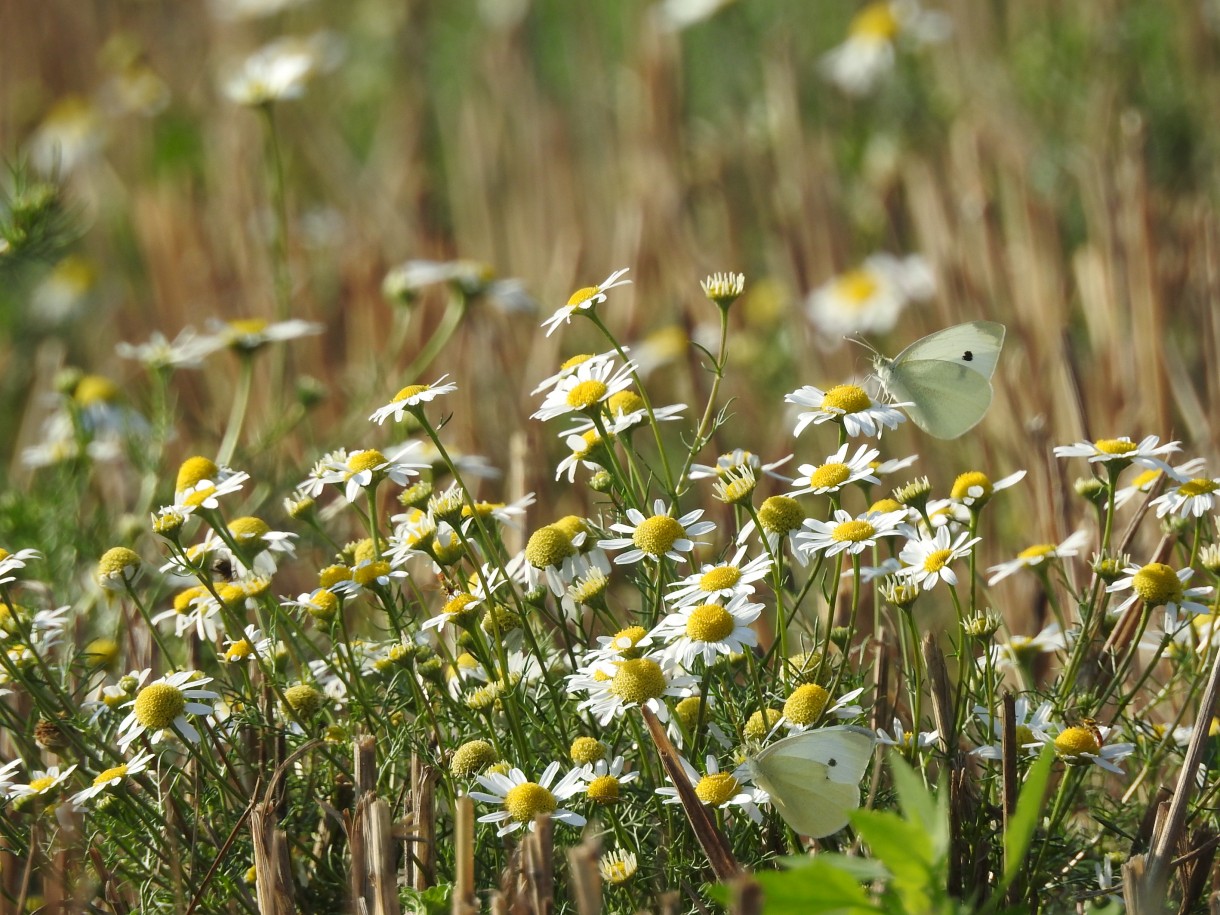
237	413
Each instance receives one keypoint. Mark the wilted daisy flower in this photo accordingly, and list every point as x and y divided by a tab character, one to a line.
847	404
162	706
723	288
411	397
1020	650
1034	729
42	783
926	560
1188	497
870	298
644	681
1121	452
657	536
720	789
1158	585
245	335
282	69
603	780
733	461
617	866
836	472
867	56
1087	744
848	534
709	631
720	581
522	800
592	384
584	299
112	777
974	488
906	740
1034	557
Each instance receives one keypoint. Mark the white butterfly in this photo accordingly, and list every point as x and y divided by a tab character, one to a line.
945	377
814	777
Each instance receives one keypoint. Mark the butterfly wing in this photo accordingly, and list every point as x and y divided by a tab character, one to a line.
814	777
975	346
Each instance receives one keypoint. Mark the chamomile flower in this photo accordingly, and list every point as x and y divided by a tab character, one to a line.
658	535
162	707
719	789
636	682
732	461
522	800
780	518
1038	556
846	404
905	740
245	335
583	448
867	56
1188	497
1158	585
360	470
1034	729
584	299
1083	744
926	560
186	351
720	581
7	771
1121	452
809	703
207	493
411	397
11	562
837	472
112	777
570	366
617	866
974	488
282	69
869	298
250	645
1144	482
848	534
586	389
42	783
626	410
709	631
604	779
1020	650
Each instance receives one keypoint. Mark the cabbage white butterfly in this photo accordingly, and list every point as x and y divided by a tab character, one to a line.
814	777
945	377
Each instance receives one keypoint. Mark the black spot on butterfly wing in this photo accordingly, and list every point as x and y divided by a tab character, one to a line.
968	356
832	761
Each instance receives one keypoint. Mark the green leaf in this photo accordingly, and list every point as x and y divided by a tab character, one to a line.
926	808
904	848
863	869
820	886
1025	819
435	900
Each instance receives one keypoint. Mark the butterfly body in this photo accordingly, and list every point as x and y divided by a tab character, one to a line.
813	777
944	379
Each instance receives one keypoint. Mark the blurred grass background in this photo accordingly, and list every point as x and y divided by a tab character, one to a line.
1055	162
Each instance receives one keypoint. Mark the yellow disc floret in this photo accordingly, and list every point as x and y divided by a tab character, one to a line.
846	398
806	704
709	623
717	788
656	535
1157	584
638	680
157	705
525	801
1075	741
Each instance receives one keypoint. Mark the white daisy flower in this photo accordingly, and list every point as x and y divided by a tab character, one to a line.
1034	729
282	69
870	298
927	560
581	447
780	518
584	299
592	383
1143	482
249	334
807	705
1158	585
602	779
1019	650
837	472
1189	498
571	365
206	494
112	777
636	682
7	771
251	644
43	782
362	469
658	535
720	581
1086	743
907	740
731	462
11	562
709	631
522	800
847	404
186	351
162	707
867	56
411	396
1042	553
848	534
1121	452
975	488
625	410
720	789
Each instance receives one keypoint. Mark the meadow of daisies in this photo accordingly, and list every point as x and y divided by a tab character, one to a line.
435	473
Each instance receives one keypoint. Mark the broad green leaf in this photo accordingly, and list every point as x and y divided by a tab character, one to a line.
905	849
818	887
922	806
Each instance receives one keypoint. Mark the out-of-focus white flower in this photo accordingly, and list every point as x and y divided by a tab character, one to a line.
282	69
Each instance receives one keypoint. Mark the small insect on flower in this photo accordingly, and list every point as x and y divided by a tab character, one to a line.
1086	743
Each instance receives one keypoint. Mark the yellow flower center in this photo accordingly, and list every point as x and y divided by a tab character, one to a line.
846	398
625	640
575	360
471	758
457	604
1074	741
968	481
248	326
158	704
720	578
548	546
527	800
603	790
656	535
806	704
249	531
332	575
709	623
877	20
583	294
1145	479
117	561
717	788
39	785
1198	487
937	560
885	506
369	572
1037	551
1025	735
572	525
1115	446
587	750
365	460
856	287
624	402
94	389
411	390
199	496
759	724
687	711
638	680
853	532
111	774
323	605
195	470
1157	584
780	514
829	476
239	650
586	394
303	699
